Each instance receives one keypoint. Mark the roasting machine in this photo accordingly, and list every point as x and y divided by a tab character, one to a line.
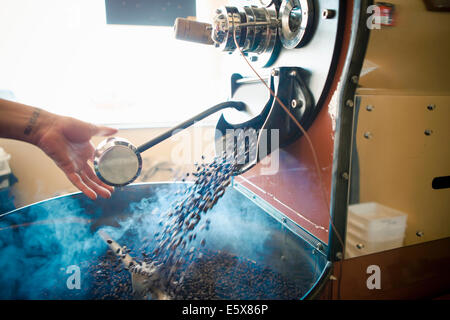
280	220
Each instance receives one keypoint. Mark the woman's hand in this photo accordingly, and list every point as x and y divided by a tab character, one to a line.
67	141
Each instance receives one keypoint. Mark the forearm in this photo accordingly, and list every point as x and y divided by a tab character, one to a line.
22	122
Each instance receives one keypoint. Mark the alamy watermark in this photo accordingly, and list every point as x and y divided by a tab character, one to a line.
74	280
247	146
374	280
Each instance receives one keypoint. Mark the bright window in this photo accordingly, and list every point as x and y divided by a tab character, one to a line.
62	56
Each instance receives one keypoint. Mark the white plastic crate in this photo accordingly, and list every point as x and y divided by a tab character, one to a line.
373	227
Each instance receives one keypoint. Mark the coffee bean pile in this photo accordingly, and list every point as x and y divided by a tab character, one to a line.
220	275
109	279
211	275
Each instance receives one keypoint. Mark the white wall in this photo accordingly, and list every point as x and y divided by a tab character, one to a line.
62	56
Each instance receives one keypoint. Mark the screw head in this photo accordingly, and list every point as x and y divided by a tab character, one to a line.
275	72
355	79
328	14
370	108
296	103
428	132
339	255
345	175
431	107
368	135
419	233
349	103
293	73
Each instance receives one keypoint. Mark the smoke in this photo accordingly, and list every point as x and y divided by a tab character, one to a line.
39	243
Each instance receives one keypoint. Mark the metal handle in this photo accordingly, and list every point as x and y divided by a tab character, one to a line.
240	106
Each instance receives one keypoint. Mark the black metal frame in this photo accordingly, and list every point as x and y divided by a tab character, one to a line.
343	140
344	128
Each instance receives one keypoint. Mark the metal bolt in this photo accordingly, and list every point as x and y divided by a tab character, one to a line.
293	73
431	107
296	103
328	14
368	135
355	79
319	246
345	175
428	132
419	233
339	255
360	246
266	3
370	108
349	103
275	72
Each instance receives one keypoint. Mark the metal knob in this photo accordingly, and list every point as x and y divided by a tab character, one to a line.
117	162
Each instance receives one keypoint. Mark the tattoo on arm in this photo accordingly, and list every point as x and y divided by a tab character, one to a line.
32	121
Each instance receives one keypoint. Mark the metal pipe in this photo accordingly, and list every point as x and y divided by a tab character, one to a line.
240	106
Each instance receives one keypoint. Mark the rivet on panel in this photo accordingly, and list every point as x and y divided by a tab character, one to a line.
296	103
328	14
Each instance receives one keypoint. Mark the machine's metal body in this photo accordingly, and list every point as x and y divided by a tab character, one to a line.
40	245
255	30
313	52
310	54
